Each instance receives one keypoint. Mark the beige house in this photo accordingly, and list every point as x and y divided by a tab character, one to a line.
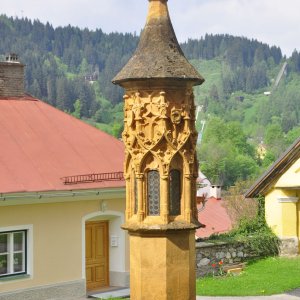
281	187
62	200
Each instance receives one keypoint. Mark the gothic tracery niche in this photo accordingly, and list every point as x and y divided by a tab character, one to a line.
153	193
175	192
159	128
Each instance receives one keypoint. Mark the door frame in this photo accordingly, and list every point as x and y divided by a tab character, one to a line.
98	216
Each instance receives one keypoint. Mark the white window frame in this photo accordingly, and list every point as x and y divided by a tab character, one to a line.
28	252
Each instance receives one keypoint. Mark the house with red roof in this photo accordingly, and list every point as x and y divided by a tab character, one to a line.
62	199
214	216
212	213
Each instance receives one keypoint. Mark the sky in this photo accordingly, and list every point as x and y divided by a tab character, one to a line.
275	22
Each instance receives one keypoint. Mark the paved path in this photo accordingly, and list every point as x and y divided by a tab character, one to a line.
293	295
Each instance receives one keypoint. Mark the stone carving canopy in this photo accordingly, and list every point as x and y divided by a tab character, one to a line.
160	138
158	127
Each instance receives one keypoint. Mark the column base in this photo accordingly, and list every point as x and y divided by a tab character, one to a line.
162	265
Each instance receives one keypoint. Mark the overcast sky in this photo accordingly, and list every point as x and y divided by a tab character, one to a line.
276	22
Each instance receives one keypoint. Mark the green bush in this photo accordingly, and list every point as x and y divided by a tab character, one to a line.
255	234
262	242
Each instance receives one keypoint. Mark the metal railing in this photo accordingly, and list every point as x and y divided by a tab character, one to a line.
88	178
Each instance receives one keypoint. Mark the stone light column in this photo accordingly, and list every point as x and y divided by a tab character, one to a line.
160	166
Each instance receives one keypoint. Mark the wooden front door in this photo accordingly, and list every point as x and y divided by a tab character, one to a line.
96	255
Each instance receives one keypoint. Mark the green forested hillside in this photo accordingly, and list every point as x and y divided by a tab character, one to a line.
72	68
240	122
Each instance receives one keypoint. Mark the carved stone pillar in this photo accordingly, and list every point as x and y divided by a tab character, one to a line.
128	212
160	141
140	203
164	205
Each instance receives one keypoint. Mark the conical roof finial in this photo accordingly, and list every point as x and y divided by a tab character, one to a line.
158	55
157	9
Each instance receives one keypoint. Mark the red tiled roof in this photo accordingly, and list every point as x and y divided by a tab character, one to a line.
40	144
215	217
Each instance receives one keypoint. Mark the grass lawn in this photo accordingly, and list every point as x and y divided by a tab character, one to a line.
262	277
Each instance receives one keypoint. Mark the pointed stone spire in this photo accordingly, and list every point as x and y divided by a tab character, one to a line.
158	55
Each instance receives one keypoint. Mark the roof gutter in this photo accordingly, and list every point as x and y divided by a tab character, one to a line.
60	196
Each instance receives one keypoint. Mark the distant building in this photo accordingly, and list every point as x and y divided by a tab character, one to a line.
267	93
212	212
91	78
204	186
215	218
261	151
215	191
62	199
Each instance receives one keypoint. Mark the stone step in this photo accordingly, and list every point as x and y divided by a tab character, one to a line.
121	293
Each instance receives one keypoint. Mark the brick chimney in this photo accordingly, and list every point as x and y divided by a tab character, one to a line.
11	77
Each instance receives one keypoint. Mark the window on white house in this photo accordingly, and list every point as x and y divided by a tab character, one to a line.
12	253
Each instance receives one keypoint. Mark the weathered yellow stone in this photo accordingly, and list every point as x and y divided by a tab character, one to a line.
157	9
162	266
159	134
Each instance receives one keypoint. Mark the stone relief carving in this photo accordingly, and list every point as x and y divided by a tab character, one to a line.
176	115
163	106
159	126
159	133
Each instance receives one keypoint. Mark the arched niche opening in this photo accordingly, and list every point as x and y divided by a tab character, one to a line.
175	185
153	193
152	185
